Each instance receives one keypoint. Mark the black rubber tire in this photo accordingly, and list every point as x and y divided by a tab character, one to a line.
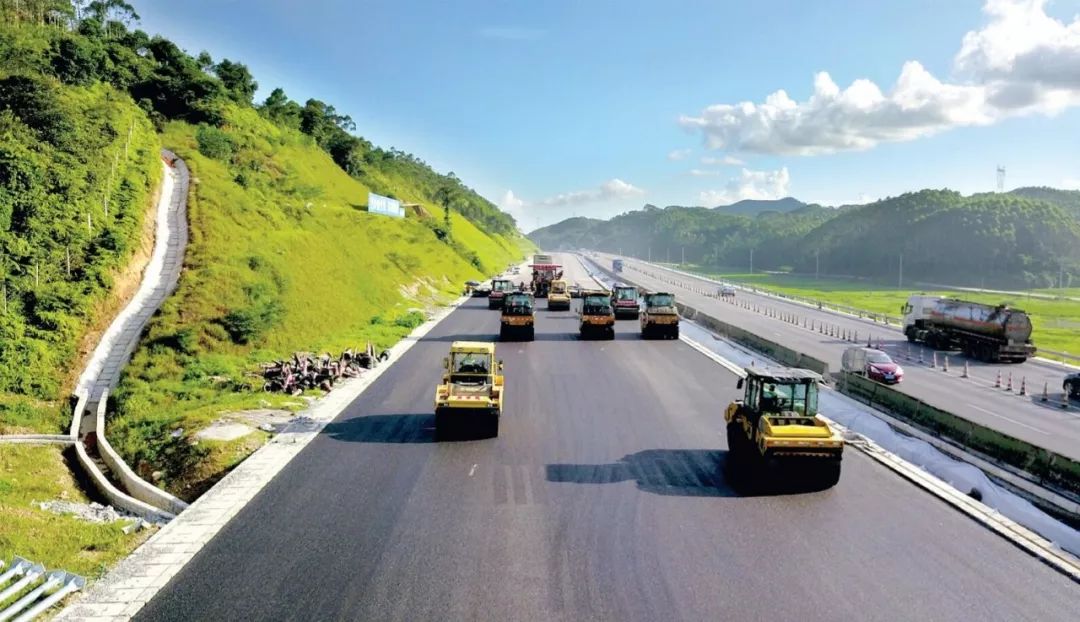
675	333
530	333
609	334
492	428
441	426
827	475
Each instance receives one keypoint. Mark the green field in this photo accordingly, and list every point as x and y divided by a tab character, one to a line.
1056	322
282	258
35	474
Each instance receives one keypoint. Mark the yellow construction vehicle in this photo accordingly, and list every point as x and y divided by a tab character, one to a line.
660	317
518	320
559	296
470	396
776	438
597	315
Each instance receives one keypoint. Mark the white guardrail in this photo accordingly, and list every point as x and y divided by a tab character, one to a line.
1063	358
36	591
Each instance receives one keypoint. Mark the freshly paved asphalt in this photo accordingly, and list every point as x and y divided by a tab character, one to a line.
603	498
1044	424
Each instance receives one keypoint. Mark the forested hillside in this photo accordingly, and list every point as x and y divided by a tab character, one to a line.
278	225
1024	238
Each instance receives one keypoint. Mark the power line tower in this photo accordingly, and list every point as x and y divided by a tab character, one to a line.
1000	178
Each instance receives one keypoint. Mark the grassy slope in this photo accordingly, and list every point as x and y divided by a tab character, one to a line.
1056	322
292	241
36	401
29	474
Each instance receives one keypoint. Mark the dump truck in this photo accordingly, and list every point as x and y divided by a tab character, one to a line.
625	299
660	317
542	276
470	395
597	315
775	436
499	289
518	319
991	333
558	296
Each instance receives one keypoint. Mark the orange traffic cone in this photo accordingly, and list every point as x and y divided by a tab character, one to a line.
997	383
1046	392
965	374
1008	387
1023	386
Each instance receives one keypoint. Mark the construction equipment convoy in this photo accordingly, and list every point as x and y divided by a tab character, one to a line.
471	393
625	299
597	315
558	296
776	438
985	332
518	320
499	289
544	271
660	317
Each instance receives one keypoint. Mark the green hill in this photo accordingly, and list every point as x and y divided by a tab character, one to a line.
1017	239
283	254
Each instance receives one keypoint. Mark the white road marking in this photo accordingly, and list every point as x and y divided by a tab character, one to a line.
1019	423
472	471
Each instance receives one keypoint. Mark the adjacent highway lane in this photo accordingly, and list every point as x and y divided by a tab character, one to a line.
1025	417
602	499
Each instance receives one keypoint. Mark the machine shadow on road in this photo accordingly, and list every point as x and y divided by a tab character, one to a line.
418	428
672	472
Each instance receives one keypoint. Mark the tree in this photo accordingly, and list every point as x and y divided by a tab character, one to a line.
238	81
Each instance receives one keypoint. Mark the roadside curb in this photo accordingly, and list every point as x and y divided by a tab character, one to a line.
139	577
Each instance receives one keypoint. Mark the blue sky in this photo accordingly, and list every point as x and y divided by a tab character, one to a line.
592	108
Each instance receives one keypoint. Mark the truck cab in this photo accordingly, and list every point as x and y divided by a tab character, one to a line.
558	296
518	319
625	299
499	289
916	311
660	316
597	316
471	391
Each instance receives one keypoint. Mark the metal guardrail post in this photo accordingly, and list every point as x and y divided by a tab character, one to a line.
53	581
72	583
29	572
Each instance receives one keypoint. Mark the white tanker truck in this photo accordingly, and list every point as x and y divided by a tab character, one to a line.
985	332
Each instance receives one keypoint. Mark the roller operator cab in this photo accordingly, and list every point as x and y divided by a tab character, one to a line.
625	299
659	317
499	289
776	439
518	317
597	316
470	396
558	296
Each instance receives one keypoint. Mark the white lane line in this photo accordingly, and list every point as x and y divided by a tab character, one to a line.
472	471
1019	423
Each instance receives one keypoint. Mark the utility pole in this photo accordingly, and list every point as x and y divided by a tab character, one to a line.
900	278
751	261
1061	275
817	264
669	254
650	254
684	255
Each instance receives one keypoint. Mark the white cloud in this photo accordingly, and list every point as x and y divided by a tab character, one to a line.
511	204
697	172
611	190
749	184
1070	184
679	154
725	161
1021	62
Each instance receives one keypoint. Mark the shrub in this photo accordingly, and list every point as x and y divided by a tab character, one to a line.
214	142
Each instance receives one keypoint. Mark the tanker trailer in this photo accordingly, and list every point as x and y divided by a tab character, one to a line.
984	332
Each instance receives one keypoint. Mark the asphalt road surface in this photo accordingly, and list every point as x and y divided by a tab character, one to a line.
602	499
1043	424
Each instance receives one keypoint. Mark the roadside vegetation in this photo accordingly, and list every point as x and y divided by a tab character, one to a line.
1056	322
283	256
30	475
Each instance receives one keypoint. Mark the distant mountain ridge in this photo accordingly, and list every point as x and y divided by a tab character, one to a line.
1017	238
754	207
